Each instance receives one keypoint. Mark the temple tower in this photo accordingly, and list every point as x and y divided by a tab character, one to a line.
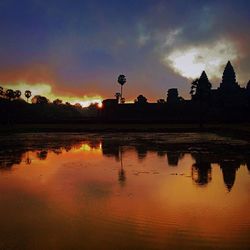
229	79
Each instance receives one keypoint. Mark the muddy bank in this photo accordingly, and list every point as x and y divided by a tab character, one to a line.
240	131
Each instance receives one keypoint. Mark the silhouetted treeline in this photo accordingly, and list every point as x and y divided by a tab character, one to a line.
228	103
18	110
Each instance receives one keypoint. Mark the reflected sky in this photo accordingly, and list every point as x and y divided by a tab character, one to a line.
97	192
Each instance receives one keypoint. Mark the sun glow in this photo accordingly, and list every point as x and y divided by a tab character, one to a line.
88	102
190	62
85	147
45	89
100	105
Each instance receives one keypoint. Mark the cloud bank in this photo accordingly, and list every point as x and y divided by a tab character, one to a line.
83	46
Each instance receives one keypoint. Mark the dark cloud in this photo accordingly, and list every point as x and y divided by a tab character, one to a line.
86	44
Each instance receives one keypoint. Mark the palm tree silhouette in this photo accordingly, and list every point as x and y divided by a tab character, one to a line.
121	173
10	94
17	93
121	80
27	94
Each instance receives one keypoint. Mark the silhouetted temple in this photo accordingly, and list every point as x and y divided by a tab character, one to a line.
229	102
229	83
229	92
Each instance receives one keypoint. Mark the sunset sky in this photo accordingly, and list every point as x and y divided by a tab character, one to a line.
75	50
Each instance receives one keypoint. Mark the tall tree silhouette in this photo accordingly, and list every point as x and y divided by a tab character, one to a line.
10	94
57	102
121	80
38	99
201	94
141	99
17	93
27	94
1	91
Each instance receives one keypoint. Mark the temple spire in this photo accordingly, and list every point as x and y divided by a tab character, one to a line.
229	77
248	85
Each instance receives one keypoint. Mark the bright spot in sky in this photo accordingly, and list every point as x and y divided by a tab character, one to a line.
44	89
88	102
190	62
100	105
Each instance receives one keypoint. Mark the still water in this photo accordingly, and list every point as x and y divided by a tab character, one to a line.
124	191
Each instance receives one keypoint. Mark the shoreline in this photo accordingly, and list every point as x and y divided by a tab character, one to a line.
237	129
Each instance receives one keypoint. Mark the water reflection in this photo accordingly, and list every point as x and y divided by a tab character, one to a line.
173	158
201	172
229	169
201	169
42	155
121	173
97	192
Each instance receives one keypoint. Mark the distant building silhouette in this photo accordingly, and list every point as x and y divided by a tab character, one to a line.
229	102
173	96
201	89
229	93
229	83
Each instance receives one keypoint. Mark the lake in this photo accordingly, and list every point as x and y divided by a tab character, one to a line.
124	191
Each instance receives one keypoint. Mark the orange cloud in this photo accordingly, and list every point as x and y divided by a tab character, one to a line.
46	90
41	80
29	73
